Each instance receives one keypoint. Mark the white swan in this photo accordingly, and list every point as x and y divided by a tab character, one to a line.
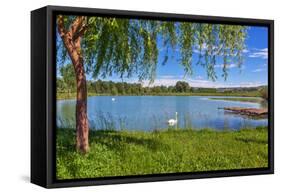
172	122
113	99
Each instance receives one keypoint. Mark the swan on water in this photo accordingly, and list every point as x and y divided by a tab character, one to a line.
172	122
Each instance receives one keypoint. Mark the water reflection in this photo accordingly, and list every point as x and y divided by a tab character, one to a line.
153	112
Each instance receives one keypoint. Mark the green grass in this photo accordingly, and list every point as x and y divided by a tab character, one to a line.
119	153
237	94
245	99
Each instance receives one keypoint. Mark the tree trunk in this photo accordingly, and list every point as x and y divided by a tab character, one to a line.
82	126
72	42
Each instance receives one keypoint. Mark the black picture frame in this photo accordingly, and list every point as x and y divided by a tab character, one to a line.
43	96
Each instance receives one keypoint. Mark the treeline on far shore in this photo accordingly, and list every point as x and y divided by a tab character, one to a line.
181	88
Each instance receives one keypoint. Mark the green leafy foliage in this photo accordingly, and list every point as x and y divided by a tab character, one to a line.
181	88
130	47
264	92
67	82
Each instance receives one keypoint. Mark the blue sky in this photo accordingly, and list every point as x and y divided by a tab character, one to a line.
253	71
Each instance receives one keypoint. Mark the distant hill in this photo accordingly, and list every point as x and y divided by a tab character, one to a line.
225	89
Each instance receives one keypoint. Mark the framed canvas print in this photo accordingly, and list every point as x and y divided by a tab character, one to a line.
125	96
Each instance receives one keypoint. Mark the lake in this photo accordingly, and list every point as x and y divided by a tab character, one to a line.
153	112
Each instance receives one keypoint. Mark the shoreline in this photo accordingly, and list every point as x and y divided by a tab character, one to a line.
64	96
171	129
240	99
247	111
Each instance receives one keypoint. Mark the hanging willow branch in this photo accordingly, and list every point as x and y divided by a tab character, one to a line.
130	47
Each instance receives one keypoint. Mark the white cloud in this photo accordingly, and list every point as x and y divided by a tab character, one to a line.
211	84
199	77
258	70
228	66
217	50
161	82
197	48
250	84
259	53
200	82
168	77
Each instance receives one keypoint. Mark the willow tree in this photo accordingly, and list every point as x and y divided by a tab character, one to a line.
68	78
100	47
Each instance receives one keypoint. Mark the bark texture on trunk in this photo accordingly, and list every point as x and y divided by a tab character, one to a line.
82	126
72	42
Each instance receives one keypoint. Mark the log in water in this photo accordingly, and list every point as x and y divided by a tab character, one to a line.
247	111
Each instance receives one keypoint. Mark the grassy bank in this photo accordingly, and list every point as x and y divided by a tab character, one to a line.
118	153
237	94
245	99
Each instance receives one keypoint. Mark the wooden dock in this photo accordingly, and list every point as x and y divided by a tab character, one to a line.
247	111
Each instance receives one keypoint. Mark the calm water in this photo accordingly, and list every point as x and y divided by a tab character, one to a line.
152	112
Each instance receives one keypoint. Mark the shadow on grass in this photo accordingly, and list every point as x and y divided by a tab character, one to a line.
114	140
251	140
